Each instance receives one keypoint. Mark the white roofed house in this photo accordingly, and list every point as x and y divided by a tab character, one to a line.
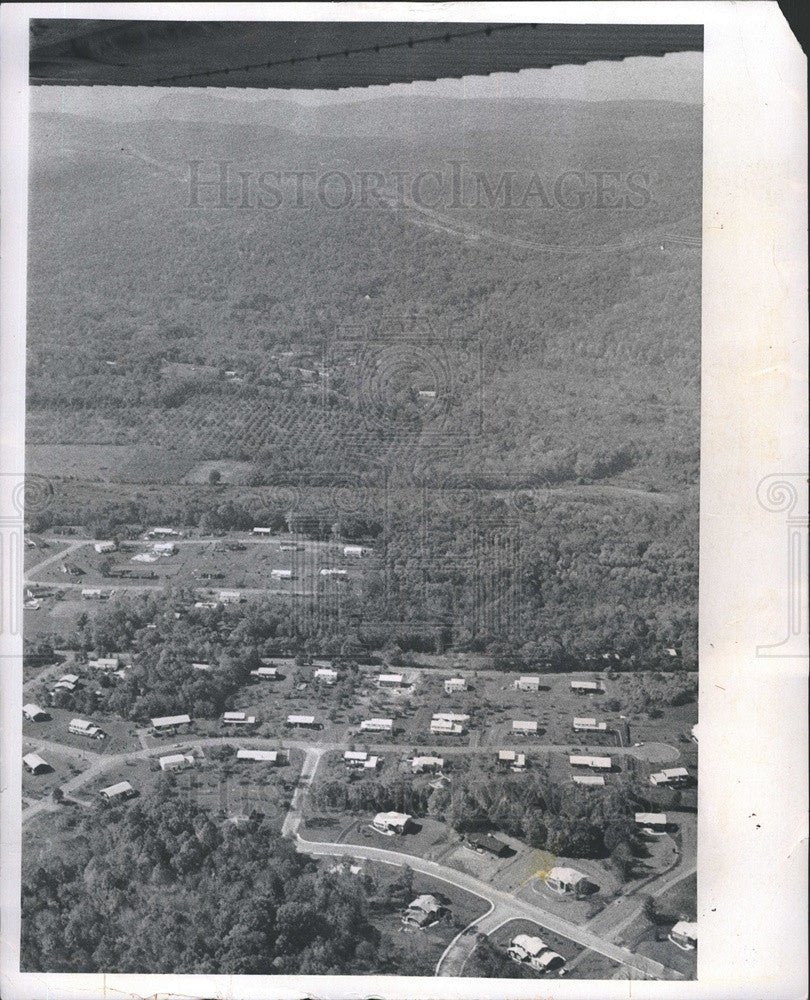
427	764
121	790
34	713
355	551
68	682
303	722
377	725
355	758
266	673
595	763
176	761
164	548
326	675
684	934
445	727
390	680
391	822
455	684
104	546
34	764
594	780
565	880
238	719
534	952
511	760
230	597
524	727
169	723
262	531
674	777
282	574
652	821
267	756
589	726
527	684
104	663
586	687
333	571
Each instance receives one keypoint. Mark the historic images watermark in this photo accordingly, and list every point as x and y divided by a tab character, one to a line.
787	494
451	185
21	497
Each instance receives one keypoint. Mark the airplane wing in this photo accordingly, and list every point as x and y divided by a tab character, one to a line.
324	54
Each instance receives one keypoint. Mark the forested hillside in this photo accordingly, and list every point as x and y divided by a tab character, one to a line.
573	361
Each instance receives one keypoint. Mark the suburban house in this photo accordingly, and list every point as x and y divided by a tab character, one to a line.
360	760
595	763
164	548
326	675
266	673
176	761
391	822
122	790
672	776
422	765
268	756
282	574
163	533
92	593
684	935
454	684
652	821
524	727
229	597
262	531
588	779
355	551
511	760
589	726
527	684
452	717
423	911
534	952
444	727
147	557
67	682
389	680
81	727
35	764
564	880
333	571
34	713
201	666
585	687
303	722
238	719
104	663
168	723
107	546
377	725
483	843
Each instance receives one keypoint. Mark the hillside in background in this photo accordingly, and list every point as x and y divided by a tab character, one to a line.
569	336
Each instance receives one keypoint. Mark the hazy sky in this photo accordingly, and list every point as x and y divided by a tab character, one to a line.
674	77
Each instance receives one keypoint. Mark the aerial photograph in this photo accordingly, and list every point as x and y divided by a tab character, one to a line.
362	505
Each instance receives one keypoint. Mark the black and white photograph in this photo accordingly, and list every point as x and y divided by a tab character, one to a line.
361	545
